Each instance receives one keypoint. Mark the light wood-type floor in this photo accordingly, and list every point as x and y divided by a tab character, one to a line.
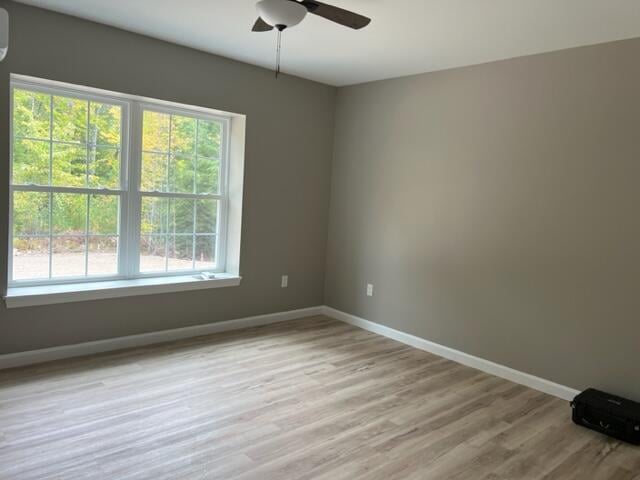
308	399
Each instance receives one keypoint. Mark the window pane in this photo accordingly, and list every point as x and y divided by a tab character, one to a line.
68	258
70	119
103	214
209	133
69	165
69	213
205	251
30	162
155	131
104	168
207	175
183	135
104	124
152	253
206	216
180	252
30	213
181	216
62	141
181	174
103	256
30	258
154	215
31	114
154	172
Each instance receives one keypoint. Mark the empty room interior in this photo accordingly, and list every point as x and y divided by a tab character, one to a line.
303	240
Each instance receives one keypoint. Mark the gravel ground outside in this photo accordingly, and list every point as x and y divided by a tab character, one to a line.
32	266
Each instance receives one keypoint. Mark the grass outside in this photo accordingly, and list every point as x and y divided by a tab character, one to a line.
36	265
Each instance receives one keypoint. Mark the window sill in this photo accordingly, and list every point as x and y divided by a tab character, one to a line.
76	292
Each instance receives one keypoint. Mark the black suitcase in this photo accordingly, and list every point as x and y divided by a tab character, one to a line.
608	414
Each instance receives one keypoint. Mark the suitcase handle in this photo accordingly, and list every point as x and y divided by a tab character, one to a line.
601	424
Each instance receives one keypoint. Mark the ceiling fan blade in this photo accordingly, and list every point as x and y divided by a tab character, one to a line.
261	26
337	15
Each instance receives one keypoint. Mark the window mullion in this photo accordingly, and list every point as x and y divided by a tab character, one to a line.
86	173
50	234
50	140
223	206
168	169
131	257
195	190
87	147
193	244
86	237
11	203
186	196
80	190
50	183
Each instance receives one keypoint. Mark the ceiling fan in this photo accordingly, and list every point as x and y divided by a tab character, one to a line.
283	14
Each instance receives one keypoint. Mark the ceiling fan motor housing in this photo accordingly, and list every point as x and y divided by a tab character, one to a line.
281	13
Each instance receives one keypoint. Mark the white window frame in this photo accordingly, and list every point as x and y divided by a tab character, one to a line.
130	170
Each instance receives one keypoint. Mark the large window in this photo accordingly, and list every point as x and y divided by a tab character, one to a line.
110	187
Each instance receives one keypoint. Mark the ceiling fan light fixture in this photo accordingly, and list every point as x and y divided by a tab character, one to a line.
281	13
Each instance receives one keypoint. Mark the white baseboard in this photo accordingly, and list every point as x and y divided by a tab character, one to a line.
67	351
487	366
77	350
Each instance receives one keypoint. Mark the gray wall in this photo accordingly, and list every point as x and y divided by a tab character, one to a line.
495	208
287	174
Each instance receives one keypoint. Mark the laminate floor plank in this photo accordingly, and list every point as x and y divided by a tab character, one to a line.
309	399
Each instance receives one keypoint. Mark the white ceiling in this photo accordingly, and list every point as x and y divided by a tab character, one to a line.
405	36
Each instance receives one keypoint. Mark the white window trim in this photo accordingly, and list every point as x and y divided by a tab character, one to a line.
130	281
65	293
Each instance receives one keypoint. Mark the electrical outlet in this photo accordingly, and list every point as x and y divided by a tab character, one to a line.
369	289
285	281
